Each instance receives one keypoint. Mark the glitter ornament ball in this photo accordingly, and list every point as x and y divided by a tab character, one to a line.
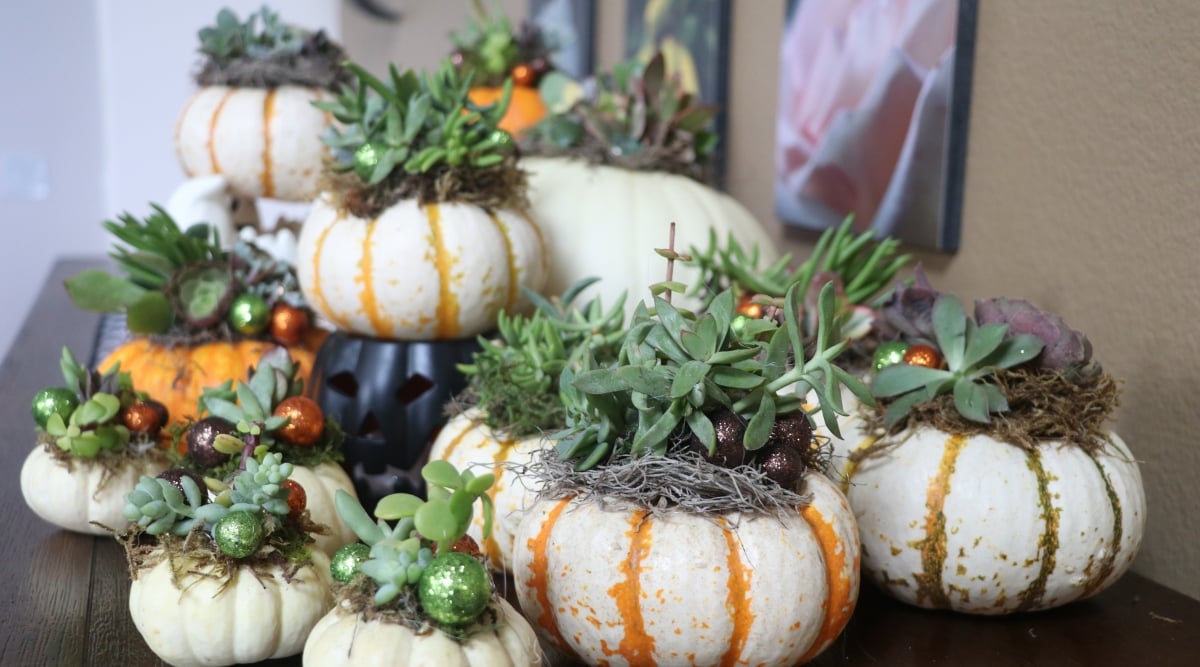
297	499
923	355
889	354
306	421
239	534
288	324
175	477
466	545
249	314
344	564
142	419
454	589
523	75
54	400
200	438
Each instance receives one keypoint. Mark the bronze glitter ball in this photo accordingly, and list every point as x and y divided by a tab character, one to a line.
200	439
783	463
142	419
793	430
297	498
306	422
288	324
175	477
729	451
923	355
467	545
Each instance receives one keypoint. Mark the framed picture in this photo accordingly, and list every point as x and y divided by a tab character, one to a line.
694	38
872	118
569	26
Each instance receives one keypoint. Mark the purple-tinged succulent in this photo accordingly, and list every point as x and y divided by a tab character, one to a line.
1064	348
909	311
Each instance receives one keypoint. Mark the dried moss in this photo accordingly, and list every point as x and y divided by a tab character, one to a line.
111	462
502	186
358	597
318	64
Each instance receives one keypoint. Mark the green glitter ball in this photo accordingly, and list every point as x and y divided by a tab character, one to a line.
889	354
239	534
53	401
454	589
365	160
249	314
344	564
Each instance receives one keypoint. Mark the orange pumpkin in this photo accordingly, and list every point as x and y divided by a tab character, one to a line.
176	376
524	110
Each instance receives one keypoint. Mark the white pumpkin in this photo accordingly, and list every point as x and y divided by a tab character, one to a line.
606	221
468	443
343	639
265	141
980	526
190	619
320	485
72	499
435	272
626	588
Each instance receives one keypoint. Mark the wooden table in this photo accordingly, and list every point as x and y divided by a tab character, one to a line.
64	600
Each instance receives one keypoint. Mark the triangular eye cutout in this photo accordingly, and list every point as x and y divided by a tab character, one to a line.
369	427
413	388
344	384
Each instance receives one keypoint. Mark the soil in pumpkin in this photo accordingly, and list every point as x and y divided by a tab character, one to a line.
502	186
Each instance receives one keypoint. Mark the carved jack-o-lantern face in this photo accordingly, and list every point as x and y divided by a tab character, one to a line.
388	396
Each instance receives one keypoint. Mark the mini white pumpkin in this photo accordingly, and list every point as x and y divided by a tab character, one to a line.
433	272
623	587
86	492
467	443
190	619
343	639
320	484
981	526
265	141
606	221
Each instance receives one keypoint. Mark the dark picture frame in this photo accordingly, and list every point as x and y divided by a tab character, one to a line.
886	142
571	26
697	31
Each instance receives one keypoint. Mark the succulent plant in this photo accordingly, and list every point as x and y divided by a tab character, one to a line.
265	51
180	282
250	404
401	552
1064	349
677	371
489	48
972	353
908	311
634	116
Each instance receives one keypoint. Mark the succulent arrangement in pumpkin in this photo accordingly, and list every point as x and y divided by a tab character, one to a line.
200	315
986	480
269	412
252	120
96	435
684	518
607	169
223	572
492	52
415	591
512	402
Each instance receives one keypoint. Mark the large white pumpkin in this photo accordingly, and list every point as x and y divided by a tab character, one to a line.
190	619
72	499
981	526
468	443
626	588
320	485
343	639
265	141
435	272
606	221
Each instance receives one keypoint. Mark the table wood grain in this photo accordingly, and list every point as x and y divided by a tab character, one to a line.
64	600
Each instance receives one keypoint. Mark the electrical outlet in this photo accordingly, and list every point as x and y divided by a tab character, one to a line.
24	177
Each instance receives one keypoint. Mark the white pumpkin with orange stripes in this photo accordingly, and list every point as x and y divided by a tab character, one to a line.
626	587
266	142
980	526
468	443
432	272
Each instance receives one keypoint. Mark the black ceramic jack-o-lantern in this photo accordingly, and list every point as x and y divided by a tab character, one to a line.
389	398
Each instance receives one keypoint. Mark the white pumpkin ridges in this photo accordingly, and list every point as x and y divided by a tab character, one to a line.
320	484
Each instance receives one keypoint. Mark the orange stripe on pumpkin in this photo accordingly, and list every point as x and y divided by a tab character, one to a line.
539	578
1114	545
1031	597
491	547
212	130
318	295
514	277
737	599
637	647
933	546
458	440
268	182
839	601
381	325
447	308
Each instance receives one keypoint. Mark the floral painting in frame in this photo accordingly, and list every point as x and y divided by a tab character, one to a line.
872	116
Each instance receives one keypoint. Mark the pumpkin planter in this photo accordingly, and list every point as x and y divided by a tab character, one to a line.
73	495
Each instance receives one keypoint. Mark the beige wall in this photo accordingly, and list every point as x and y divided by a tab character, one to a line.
1081	195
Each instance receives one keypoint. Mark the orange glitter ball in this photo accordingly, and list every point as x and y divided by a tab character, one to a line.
747	307
923	355
467	545
142	419
523	75
288	324
297	499
306	421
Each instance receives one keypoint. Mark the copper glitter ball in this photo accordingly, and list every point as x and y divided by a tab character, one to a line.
288	324
467	545
141	418
297	499
523	75
747	307
923	355
306	422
